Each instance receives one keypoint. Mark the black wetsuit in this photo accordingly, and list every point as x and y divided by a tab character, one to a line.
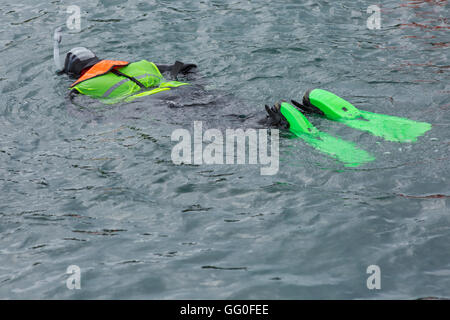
191	103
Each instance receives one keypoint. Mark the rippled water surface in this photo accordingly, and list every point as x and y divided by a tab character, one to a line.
96	187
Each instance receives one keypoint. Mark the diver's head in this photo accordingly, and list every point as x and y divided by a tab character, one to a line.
79	59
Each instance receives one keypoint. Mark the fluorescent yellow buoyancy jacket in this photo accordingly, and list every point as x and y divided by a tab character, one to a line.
112	81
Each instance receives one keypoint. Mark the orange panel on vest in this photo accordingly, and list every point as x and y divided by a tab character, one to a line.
100	68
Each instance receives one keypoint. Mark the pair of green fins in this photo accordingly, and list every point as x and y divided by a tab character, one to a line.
334	108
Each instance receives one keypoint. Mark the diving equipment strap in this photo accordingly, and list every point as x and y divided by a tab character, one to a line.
118	73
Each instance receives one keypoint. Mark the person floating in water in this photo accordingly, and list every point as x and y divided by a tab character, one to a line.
112	81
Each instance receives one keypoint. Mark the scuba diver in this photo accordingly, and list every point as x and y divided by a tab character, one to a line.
113	81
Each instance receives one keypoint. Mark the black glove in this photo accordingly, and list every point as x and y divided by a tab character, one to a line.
276	117
176	68
186	68
180	67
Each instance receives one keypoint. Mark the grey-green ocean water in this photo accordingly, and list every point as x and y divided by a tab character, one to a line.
101	192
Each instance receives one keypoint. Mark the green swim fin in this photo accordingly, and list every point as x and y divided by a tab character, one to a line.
335	108
342	150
